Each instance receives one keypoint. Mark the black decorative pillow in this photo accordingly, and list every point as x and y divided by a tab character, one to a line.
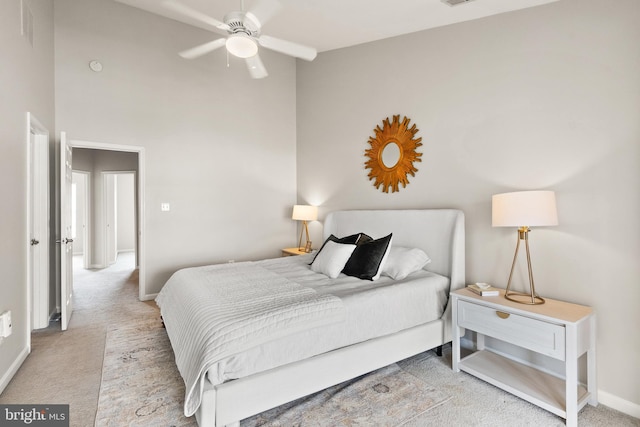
368	258
363	238
348	240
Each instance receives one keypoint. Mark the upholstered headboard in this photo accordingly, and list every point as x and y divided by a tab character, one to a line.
438	232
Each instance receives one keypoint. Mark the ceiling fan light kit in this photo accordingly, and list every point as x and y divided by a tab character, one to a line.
241	46
243	35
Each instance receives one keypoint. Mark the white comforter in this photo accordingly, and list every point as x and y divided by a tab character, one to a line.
217	311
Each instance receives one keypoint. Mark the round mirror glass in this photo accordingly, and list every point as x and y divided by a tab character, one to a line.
390	155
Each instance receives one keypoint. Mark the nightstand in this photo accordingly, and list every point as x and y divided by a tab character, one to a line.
292	252
557	329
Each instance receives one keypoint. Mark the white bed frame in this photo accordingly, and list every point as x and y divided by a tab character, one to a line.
439	232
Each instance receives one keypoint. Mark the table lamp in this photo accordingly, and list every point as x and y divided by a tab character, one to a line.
523	209
304	213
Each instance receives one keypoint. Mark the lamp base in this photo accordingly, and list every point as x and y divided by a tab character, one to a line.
307	245
524	298
531	298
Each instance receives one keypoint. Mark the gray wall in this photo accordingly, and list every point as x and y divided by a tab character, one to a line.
543	98
26	84
219	146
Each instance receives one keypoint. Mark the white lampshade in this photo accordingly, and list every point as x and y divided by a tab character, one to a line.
524	209
241	45
305	213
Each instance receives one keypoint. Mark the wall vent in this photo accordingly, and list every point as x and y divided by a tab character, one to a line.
455	2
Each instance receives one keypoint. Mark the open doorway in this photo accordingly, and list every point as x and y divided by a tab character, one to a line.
120	170
116	215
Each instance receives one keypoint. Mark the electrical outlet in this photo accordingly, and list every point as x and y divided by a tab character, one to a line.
5	324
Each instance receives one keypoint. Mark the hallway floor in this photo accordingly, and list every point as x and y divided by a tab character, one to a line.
66	367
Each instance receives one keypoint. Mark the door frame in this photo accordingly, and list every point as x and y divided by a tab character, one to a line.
140	212
86	236
38	300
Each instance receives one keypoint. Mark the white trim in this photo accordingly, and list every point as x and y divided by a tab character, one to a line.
148	297
6	378
619	404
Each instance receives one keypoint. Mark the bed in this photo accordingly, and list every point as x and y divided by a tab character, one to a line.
304	329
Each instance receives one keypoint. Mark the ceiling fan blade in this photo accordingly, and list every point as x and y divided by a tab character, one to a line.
194	14
263	10
202	49
256	67
287	47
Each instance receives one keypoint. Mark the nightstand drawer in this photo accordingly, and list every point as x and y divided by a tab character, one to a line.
533	334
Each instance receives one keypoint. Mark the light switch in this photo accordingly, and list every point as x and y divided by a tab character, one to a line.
5	324
165	207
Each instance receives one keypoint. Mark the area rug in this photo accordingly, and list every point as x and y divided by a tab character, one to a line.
141	386
388	397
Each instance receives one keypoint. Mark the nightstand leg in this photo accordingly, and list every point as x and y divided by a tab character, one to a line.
479	341
571	374
591	364
455	339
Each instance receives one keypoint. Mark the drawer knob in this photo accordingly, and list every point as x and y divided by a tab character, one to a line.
502	314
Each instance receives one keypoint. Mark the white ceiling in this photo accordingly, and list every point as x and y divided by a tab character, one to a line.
333	24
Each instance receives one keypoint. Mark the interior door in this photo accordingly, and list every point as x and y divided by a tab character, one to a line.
39	226
66	241
110	218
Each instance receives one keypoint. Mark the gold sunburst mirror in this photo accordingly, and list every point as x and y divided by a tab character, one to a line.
392	154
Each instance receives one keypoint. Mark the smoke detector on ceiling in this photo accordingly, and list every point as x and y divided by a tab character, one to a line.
455	2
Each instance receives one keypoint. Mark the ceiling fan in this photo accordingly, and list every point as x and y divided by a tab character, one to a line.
243	35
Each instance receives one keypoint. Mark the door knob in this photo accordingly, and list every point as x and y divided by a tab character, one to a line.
34	242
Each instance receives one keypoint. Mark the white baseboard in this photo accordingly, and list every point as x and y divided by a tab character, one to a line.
6	378
149	297
619	404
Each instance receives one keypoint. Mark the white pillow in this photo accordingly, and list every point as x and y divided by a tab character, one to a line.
332	258
403	261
